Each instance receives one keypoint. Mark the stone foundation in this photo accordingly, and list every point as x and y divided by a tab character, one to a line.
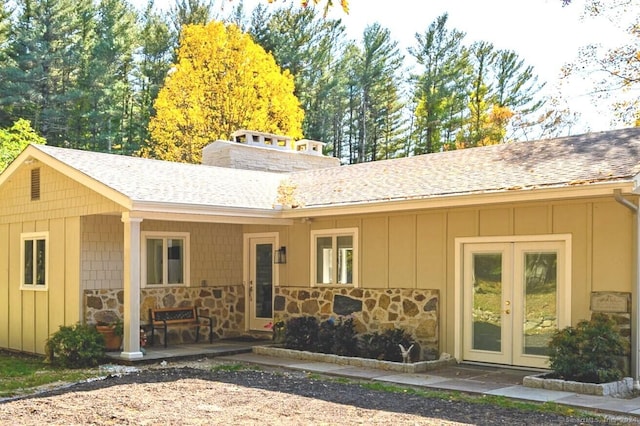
415	311
412	367
225	305
622	388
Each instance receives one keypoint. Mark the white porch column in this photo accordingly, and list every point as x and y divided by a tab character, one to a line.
131	338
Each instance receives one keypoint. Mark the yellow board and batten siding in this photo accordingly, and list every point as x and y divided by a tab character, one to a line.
5	254
28	317
417	249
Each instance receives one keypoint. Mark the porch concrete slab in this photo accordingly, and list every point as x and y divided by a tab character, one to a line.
411	379
530	394
482	373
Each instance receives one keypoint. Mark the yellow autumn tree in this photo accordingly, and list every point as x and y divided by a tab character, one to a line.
223	81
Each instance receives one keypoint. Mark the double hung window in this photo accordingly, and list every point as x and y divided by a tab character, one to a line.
34	260
334	255
165	258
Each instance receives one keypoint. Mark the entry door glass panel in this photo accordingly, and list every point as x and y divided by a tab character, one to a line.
264	281
487	301
540	301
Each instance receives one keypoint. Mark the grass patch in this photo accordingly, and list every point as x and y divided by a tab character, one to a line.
20	374
232	367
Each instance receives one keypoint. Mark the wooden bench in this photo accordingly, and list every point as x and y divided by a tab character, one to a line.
162	318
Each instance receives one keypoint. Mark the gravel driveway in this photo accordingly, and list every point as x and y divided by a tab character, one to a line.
198	396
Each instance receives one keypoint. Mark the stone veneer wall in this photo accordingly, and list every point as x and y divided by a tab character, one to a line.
415	311
225	305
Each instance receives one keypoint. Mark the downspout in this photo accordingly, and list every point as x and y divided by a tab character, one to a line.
635	335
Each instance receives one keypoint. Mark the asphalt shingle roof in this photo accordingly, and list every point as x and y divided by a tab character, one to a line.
574	160
148	180
562	162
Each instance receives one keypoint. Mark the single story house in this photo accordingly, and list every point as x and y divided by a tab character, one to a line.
479	253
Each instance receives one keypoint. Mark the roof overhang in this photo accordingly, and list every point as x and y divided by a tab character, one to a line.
207	214
564	192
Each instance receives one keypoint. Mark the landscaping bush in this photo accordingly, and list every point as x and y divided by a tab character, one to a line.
385	345
75	346
588	352
326	334
345	338
301	333
337	337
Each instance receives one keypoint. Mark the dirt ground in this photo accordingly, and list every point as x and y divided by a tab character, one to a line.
193	394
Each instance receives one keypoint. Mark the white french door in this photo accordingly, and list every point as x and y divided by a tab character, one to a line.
514	299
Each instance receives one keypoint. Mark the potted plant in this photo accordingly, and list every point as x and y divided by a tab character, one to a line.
112	333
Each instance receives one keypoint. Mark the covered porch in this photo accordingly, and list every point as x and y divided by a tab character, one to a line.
185	351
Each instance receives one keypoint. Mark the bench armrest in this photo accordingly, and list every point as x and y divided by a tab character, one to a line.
210	325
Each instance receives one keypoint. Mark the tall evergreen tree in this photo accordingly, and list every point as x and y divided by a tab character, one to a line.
111	68
443	65
37	85
377	81
155	54
309	46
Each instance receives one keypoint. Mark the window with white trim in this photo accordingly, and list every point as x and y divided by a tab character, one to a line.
334	257
34	258
165	258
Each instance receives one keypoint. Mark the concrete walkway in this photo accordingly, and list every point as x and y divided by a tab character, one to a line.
465	378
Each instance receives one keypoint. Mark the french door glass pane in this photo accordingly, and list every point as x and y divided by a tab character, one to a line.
487	301
175	256
264	281
540	301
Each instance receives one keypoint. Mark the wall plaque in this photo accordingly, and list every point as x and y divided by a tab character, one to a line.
609	301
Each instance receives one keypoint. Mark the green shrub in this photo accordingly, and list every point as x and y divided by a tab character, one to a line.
301	333
345	338
385	345
587	352
337	337
76	346
326	335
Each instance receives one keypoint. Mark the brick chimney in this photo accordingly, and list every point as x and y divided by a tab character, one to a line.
267	152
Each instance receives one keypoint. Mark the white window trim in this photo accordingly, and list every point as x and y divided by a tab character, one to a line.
353	232
33	236
143	257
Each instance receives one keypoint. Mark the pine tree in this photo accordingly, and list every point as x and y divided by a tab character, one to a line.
440	88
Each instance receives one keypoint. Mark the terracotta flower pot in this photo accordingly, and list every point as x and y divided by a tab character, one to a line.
112	342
